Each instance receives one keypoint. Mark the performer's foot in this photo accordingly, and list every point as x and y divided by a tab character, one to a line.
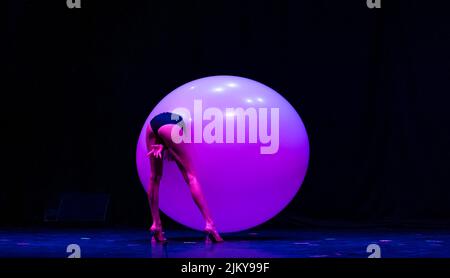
157	234
212	235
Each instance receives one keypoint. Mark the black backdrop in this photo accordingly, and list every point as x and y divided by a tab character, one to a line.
372	87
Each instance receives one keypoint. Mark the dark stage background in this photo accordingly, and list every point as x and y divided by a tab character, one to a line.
372	87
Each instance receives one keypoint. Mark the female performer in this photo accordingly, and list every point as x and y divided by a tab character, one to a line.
159	145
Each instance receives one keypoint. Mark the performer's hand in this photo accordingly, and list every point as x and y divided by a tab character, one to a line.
156	151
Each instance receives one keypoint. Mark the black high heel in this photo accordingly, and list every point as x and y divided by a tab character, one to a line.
212	235
157	235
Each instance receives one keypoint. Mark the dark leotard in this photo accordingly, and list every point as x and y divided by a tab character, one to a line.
164	119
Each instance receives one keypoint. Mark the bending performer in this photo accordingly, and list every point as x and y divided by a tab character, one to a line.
159	145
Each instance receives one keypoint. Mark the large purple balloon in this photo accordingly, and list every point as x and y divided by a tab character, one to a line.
247	178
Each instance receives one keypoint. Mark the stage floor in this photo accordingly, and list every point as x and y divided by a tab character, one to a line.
128	243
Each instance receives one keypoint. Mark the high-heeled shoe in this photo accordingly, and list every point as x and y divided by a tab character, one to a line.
157	235
212	235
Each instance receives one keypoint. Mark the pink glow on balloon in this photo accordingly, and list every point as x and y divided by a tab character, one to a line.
244	185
